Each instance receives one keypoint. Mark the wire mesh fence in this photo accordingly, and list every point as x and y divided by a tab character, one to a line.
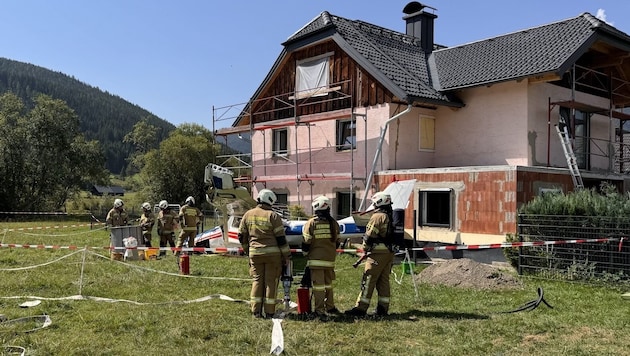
607	261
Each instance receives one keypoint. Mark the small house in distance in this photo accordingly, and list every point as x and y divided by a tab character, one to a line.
101	190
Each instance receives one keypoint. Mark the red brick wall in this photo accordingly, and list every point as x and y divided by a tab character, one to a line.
490	199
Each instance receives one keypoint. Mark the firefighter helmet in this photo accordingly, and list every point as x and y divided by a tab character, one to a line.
381	199
163	204
321	203
190	201
146	206
118	203
267	196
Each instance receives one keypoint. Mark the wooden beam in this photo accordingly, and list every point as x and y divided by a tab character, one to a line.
542	78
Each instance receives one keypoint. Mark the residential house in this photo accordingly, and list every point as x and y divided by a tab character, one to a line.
349	107
101	190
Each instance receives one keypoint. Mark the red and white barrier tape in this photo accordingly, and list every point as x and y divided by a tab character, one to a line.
239	250
49	227
36	213
514	244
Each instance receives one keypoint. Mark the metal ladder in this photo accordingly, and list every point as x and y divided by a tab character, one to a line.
570	155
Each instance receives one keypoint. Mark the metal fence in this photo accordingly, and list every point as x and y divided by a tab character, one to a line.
607	261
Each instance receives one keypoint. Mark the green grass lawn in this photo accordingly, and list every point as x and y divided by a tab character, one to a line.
170	314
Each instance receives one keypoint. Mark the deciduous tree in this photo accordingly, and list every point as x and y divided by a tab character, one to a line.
45	158
176	169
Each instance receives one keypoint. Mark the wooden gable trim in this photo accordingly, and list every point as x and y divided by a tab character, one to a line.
349	86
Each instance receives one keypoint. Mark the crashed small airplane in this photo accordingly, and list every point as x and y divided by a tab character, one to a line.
233	201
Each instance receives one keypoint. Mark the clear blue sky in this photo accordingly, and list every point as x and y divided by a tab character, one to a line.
179	58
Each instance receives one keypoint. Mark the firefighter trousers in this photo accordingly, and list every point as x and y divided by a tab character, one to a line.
146	239
164	239
265	271
186	235
322	279
376	275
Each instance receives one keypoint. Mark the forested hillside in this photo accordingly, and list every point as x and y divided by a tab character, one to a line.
103	116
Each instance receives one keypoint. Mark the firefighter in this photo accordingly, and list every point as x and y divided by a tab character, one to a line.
166	220
190	218
117	216
378	244
147	220
321	239
261	233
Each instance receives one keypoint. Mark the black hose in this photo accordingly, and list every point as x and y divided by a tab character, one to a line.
532	304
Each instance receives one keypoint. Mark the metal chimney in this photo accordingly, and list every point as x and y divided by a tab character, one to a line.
420	24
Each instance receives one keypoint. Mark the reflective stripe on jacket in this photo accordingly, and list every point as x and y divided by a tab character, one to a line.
322	251
261	228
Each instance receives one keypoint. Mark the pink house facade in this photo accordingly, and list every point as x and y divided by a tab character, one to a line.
473	125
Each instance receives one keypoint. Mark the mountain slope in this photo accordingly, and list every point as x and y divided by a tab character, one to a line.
103	116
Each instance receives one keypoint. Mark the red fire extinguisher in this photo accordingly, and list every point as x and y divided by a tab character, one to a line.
184	264
304	293
304	300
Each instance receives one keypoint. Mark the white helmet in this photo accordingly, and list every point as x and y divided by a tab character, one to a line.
118	203
381	198
190	201
267	196
146	206
163	204
321	203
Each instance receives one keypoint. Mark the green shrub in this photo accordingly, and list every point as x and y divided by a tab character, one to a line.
585	212
605	202
296	212
511	254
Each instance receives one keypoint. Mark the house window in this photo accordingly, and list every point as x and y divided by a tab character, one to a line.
312	76
435	207
279	142
282	199
579	130
345	204
426	136
346	135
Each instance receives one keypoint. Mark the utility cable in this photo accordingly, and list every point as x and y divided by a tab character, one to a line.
532	304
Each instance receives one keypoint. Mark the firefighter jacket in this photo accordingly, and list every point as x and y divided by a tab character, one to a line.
377	234
322	250
116	217
147	220
166	221
189	217
262	233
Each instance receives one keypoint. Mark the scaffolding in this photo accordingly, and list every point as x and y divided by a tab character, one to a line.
615	89
303	111
287	111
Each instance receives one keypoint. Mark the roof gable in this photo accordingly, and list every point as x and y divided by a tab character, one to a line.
410	73
392	56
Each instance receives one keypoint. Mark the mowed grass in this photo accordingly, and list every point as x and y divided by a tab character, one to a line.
152	309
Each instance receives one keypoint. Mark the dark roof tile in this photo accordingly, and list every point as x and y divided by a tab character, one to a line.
515	55
399	57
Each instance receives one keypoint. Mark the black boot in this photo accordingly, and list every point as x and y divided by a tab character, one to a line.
355	312
381	311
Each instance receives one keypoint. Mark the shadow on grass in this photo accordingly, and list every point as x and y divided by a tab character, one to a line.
412	315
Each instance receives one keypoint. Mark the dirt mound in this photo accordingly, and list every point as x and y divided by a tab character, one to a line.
467	273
